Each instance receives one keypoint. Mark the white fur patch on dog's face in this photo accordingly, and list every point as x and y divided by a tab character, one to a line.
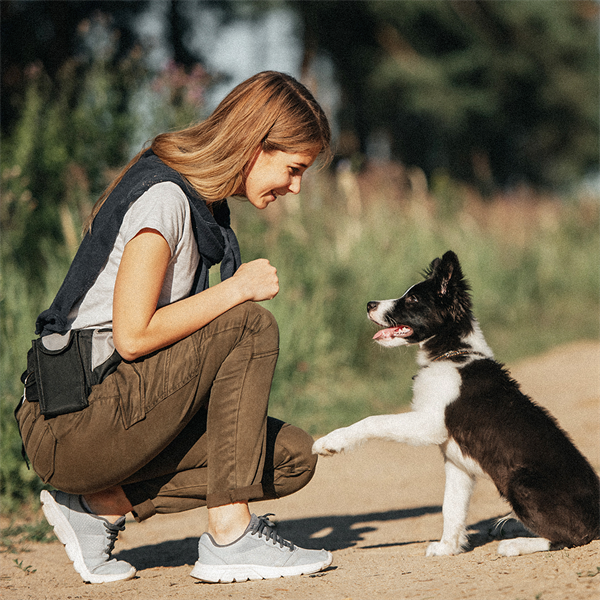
390	336
378	315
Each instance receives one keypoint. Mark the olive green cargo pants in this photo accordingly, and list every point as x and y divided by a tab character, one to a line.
184	427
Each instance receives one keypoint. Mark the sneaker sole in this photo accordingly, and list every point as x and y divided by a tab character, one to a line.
66	535
231	573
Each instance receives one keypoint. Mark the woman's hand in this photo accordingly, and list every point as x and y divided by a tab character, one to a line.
139	328
258	280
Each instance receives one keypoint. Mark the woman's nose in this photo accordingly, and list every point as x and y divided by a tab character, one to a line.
294	186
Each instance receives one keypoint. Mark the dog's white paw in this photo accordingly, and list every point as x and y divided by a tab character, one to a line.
442	549
333	443
508	548
519	546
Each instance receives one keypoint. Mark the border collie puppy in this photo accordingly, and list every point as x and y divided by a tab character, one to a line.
467	403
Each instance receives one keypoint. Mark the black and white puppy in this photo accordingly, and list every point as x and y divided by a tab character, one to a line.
467	403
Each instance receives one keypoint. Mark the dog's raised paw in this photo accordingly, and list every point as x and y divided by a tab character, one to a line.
329	445
319	447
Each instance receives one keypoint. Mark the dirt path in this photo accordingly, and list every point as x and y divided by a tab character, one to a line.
377	509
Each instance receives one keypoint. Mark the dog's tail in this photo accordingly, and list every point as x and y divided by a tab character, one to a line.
497	530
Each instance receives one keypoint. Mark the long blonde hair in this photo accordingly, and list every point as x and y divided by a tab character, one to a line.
270	111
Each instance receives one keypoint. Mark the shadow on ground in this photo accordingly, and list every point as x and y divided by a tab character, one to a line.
331	532
345	531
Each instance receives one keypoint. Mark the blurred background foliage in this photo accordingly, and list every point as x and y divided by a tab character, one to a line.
463	125
494	92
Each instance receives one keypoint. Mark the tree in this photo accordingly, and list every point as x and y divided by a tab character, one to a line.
47	34
74	130
53	28
347	33
493	92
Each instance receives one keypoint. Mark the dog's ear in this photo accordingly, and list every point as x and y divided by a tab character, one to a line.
449	272
446	272
441	271
452	286
431	272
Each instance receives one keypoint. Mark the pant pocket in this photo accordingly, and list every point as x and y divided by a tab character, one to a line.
38	440
43	453
131	394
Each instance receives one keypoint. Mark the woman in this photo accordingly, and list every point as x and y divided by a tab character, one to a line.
178	416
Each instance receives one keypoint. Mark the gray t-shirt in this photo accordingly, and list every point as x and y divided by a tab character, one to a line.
163	208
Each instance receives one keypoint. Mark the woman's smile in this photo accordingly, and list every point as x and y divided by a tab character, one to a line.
274	174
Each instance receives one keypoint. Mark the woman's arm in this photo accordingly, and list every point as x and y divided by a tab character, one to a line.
139	328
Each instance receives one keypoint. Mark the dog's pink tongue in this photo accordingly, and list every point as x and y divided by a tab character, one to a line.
393	332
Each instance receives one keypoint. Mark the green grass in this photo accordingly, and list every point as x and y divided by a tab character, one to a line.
15	537
533	268
20	303
589	573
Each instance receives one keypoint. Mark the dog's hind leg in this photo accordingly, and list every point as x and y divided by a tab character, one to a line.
518	546
457	495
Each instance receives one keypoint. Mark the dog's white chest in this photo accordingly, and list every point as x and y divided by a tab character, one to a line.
435	387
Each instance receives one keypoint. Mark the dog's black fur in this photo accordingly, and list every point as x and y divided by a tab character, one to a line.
551	487
488	427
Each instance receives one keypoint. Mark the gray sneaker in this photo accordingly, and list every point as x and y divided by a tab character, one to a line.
258	554
88	538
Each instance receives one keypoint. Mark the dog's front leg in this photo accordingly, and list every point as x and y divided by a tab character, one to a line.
457	494
415	428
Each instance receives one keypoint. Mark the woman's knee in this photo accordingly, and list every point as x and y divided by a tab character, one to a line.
297	446
294	463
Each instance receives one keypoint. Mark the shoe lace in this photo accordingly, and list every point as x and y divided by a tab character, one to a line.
112	531
265	527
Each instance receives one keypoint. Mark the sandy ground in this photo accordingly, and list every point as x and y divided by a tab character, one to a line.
376	509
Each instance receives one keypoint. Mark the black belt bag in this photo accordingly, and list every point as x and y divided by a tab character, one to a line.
60	374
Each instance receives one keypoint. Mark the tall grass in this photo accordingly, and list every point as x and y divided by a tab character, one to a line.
532	264
69	137
20	303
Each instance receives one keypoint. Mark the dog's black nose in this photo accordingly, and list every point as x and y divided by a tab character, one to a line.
371	306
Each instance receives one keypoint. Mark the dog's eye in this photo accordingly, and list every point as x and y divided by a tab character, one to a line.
412	300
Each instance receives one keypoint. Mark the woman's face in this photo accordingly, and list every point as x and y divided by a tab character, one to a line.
274	174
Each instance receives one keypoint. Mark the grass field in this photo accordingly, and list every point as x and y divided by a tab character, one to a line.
532	264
